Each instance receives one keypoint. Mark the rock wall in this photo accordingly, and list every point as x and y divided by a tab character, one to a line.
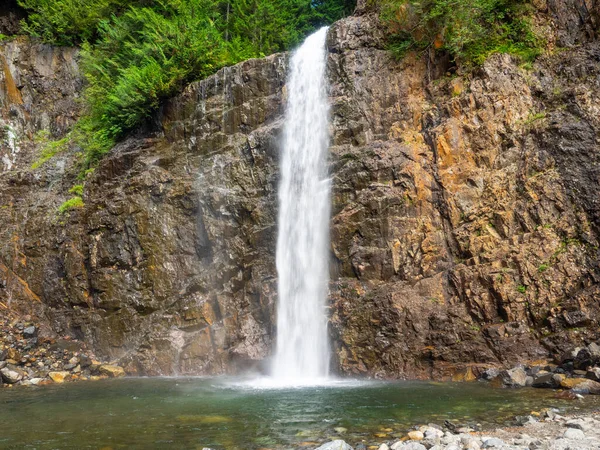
465	212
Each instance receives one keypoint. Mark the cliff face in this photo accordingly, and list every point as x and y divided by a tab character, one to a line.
465	220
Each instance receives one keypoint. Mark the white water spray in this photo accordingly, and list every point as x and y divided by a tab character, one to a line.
302	355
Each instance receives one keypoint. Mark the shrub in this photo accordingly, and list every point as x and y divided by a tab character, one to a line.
72	203
49	148
137	53
77	190
67	22
470	30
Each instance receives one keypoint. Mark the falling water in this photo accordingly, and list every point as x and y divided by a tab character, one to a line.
302	246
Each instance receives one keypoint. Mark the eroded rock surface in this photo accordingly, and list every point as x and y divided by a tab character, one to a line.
465	210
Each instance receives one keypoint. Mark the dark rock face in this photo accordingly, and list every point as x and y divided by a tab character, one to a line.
465	212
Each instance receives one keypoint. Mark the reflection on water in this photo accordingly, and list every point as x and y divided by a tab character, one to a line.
233	414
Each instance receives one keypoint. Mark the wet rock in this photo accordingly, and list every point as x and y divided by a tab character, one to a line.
547	380
581	386
514	377
111	371
335	445
59	376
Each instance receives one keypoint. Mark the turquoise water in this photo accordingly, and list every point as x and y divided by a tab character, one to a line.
190	413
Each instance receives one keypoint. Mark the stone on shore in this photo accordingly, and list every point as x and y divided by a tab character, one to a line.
415	435
10	376
574	433
493	443
59	377
338	444
516	377
111	371
581	385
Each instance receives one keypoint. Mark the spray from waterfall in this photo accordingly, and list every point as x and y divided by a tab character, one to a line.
302	354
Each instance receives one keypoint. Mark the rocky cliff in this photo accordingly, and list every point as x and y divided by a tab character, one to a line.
465	222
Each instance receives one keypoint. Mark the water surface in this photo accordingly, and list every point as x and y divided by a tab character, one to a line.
190	413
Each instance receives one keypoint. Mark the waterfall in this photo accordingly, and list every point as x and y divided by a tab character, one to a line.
302	353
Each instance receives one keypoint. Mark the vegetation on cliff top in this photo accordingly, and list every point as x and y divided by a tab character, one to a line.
137	53
470	30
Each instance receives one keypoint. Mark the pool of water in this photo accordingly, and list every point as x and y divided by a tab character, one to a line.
190	413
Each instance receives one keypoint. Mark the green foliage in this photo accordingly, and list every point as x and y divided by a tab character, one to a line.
67	22
142	57
470	30
77	190
49	147
72	203
137	53
522	289
535	117
543	268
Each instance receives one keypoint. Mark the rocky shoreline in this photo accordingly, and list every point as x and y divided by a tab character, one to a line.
28	358
548	431
577	372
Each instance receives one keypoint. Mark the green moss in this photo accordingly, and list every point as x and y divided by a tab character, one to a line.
72	203
522	289
543	268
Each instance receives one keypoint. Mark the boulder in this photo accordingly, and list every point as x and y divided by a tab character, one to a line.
593	373
574	433
490	374
585	386
415	435
514	377
60	376
10	376
544	380
493	443
583	359
30	332
111	371
569	355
